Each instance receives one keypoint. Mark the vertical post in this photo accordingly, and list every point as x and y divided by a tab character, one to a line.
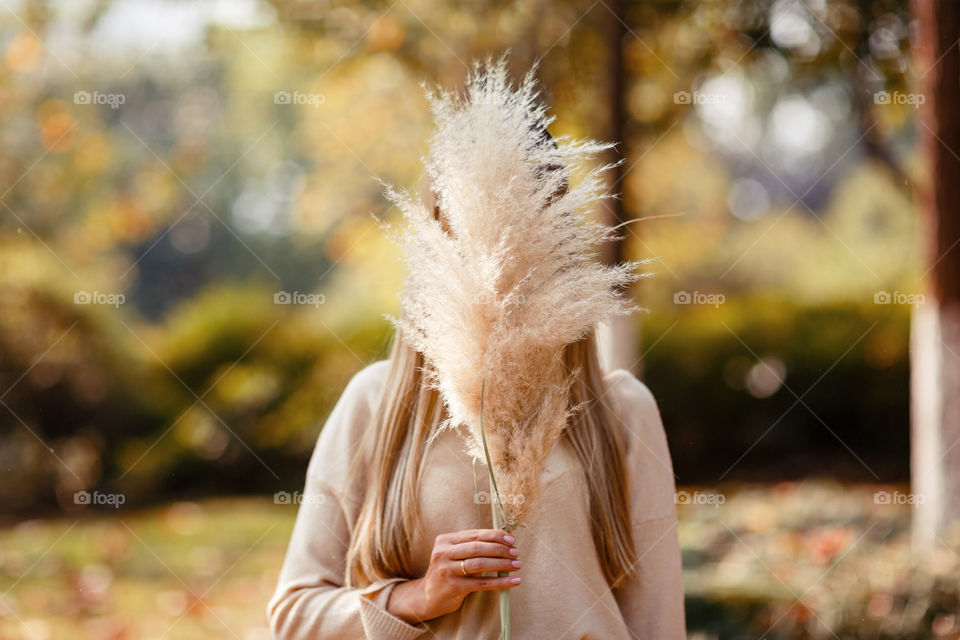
617	338
935	330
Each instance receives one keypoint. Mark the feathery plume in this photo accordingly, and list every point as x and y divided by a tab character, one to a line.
509	276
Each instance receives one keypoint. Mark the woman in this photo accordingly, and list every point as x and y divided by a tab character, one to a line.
391	541
609	480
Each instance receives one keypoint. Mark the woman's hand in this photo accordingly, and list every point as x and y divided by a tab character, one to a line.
444	586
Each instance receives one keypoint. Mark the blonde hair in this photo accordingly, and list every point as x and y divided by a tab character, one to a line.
392	456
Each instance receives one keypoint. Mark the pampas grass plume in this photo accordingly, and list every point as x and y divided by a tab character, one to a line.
511	275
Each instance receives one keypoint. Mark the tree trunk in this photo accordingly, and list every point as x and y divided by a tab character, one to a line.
935	330
618	337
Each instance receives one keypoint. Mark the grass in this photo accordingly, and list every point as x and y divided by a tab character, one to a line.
186	570
779	561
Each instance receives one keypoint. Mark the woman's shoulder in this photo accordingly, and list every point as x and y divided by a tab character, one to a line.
632	401
343	431
647	452
360	396
368	381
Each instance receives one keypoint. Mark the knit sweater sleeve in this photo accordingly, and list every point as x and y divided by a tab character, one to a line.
651	598
311	599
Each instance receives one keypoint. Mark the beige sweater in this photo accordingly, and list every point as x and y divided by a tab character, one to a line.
563	593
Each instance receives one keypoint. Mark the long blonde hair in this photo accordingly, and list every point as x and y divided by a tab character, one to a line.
394	450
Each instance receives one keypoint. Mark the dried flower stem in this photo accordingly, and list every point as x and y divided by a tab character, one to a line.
499	522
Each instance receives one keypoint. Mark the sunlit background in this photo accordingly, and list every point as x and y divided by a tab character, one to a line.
191	270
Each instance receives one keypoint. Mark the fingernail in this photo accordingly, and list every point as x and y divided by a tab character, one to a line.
514	551
514	580
516	564
509	539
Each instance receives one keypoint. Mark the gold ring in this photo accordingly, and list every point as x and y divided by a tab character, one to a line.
463	568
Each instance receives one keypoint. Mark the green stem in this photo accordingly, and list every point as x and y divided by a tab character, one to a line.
476	492
486	453
499	522
504	594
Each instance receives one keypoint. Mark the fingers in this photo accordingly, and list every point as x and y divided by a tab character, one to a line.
482	565
491	584
470	543
482	535
482	549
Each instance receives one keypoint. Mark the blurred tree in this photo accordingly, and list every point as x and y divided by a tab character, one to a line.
935	358
618	340
202	195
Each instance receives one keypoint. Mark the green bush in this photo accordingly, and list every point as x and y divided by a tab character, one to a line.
842	410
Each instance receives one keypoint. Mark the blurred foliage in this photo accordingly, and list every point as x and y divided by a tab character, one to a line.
185	570
813	560
782	390
805	560
180	164
224	395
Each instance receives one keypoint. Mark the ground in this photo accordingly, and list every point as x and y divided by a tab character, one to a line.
807	560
